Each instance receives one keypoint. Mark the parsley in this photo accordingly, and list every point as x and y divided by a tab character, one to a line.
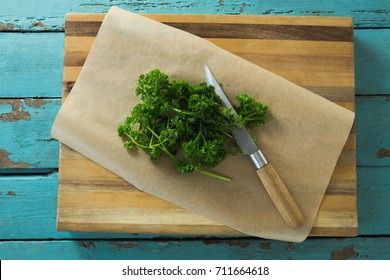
187	122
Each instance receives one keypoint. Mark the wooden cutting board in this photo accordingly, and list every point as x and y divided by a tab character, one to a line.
314	52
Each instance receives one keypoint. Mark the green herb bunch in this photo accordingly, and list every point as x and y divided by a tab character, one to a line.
187	122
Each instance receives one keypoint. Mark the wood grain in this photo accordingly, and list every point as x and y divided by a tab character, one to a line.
280	195
223	18
252	30
87	192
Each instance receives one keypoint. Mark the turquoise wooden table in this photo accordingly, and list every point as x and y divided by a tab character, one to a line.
31	61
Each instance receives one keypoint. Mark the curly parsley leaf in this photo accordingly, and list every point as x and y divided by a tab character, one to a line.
187	122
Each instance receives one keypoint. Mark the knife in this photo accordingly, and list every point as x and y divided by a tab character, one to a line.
277	190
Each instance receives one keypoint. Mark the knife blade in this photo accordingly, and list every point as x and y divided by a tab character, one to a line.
274	185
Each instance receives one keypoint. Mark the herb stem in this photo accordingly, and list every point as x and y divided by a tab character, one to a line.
223	178
135	142
227	134
170	154
183	111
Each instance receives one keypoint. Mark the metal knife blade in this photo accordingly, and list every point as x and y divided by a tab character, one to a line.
274	185
241	135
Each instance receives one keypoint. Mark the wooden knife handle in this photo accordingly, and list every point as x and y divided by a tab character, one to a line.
280	196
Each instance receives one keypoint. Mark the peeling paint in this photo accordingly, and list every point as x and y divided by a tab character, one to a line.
37	24
30	24
265	245
2	26
382	153
9	26
127	245
242	8
123	244
344	254
274	12
291	246
211	241
242	244
163	243
86	244
10	193
5	162
320	13
36	103
221	3
378	12
17	112
46	140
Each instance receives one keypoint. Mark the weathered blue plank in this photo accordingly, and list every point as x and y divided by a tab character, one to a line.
373	200
31	64
372	61
25	141
373	131
28	207
49	15
241	249
27	203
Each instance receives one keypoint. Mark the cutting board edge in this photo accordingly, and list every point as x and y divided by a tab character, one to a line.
297	20
99	17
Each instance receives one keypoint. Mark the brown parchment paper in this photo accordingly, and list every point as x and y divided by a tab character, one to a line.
303	142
